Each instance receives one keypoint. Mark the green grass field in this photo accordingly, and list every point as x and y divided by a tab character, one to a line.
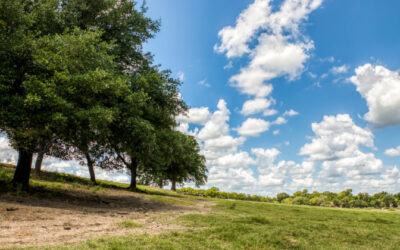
251	225
244	224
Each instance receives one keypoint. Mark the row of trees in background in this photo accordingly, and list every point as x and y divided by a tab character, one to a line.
329	199
76	84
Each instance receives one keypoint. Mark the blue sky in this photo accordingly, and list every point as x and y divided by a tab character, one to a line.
343	34
284	94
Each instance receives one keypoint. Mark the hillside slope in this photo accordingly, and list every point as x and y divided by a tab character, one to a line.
64	211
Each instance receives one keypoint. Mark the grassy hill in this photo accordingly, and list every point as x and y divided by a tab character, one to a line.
69	213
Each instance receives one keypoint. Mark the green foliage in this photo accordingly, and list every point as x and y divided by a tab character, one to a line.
343	199
74	73
214	192
129	224
181	160
281	196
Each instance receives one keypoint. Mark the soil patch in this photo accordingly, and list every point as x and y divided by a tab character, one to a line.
79	215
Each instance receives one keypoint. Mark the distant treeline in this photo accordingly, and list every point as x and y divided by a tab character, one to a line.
329	199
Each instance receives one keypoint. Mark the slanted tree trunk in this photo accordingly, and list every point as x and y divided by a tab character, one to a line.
38	163
173	185
91	168
23	170
133	169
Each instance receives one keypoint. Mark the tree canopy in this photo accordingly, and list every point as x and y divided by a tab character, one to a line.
73	73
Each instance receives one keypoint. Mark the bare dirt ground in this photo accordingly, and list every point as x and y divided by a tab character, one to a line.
80	215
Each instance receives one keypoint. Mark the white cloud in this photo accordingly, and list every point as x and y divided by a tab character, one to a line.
253	127
381	89
181	76
393	151
276	132
183	127
229	65
336	70
223	142
217	125
204	83
241	159
7	153
234	179
234	39
336	145
281	49
312	75
73	167
195	115
265	157
257	105
274	56
279	121
290	113
328	59
270	112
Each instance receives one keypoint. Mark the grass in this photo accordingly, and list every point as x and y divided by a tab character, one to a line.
254	225
53	184
243	224
129	224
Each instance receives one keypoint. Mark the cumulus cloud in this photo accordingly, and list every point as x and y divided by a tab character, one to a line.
336	144
234	39
281	50
393	151
240	159
234	179
224	141
217	125
258	105
275	56
195	115
253	127
380	87
279	121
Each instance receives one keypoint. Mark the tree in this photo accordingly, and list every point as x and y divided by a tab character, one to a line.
37	95
182	159
52	146
151	108
281	196
22	118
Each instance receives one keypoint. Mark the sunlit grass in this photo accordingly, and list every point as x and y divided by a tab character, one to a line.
129	224
238	224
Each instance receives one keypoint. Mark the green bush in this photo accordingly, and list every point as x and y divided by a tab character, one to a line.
300	200
281	196
344	199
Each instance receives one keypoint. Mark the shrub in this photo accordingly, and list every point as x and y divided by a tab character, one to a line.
281	196
300	200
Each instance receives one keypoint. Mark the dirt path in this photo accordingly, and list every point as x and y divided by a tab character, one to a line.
30	221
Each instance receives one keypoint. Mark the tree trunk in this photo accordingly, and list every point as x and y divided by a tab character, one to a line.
173	185
133	169
91	168
38	163
160	184
23	170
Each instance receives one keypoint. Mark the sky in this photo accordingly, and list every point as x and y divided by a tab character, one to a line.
284	95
